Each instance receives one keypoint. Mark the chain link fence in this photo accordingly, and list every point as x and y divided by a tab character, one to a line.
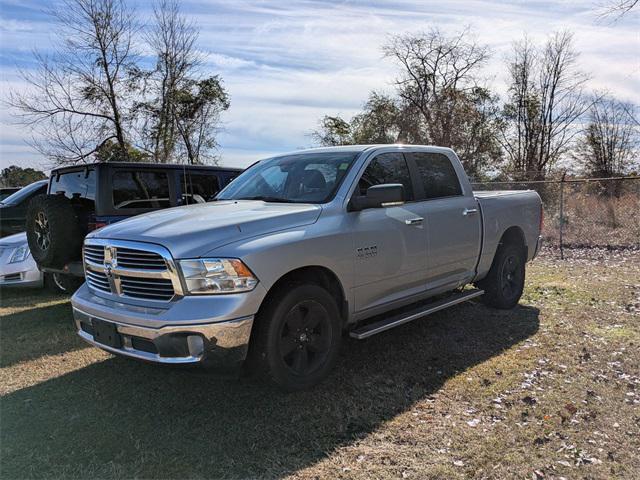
585	213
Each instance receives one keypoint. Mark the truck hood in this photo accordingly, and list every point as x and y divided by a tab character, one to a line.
194	230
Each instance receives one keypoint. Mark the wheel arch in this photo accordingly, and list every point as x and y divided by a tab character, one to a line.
514	235
316	275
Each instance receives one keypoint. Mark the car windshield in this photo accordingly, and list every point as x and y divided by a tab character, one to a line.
25	192
301	178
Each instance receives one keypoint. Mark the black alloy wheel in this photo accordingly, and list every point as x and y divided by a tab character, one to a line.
512	276
504	283
296	336
305	337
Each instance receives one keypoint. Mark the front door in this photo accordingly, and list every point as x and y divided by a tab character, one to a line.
389	242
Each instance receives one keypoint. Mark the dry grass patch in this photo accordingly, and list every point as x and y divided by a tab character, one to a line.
548	390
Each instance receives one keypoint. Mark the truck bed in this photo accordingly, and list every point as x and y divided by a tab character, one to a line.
502	209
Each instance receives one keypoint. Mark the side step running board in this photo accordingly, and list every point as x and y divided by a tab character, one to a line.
405	317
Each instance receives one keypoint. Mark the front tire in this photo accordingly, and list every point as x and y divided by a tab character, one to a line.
297	337
504	284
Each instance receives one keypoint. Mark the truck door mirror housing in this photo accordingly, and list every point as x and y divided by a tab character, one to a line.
385	195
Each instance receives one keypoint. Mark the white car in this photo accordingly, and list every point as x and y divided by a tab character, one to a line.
19	269
17	266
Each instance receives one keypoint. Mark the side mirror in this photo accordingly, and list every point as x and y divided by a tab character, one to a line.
385	195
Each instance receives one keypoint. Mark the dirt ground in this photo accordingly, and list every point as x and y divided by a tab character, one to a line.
548	390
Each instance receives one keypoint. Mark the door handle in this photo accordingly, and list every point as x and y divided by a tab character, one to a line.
414	221
469	211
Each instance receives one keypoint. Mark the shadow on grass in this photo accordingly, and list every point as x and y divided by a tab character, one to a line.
37	332
19	297
119	418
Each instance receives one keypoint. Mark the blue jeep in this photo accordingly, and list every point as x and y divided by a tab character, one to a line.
84	198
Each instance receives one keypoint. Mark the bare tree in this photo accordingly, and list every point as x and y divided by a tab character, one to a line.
75	101
439	83
173	40
546	101
617	9
180	114
435	69
609	144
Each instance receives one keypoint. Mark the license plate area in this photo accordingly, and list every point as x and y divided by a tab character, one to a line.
106	333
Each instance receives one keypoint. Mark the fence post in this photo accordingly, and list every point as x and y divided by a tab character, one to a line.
562	214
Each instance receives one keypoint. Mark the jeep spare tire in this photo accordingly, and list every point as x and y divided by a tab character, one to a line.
53	232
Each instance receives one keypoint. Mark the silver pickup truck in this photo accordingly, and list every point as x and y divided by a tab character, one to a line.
299	250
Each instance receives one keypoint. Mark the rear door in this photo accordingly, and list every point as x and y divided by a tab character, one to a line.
452	220
389	242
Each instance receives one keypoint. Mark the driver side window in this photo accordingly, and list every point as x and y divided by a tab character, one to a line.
387	168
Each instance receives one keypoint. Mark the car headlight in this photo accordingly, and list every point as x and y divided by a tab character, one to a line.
216	275
20	254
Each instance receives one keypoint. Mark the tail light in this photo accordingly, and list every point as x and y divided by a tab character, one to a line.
96	225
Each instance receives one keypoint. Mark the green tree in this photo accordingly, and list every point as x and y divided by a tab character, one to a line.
438	101
110	151
180	114
333	131
199	104
15	176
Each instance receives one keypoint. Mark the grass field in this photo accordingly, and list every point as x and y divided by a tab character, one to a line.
548	390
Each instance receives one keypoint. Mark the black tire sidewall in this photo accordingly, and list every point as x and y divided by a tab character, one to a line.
492	283
270	323
64	237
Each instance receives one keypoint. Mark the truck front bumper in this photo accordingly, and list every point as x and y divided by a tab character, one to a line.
155	335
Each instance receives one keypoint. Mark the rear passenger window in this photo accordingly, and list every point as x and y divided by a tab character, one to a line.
437	174
387	168
75	184
198	187
140	189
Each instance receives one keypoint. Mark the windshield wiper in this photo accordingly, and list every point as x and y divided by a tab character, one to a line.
267	199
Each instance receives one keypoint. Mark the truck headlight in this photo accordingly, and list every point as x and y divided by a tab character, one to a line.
216	275
20	254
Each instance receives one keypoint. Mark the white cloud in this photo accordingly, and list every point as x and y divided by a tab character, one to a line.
286	64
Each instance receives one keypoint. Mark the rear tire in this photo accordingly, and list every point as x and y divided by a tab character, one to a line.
296	339
504	283
53	232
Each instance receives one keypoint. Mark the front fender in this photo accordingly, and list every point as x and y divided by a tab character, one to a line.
272	256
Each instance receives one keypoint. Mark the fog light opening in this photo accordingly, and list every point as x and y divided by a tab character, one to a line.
196	345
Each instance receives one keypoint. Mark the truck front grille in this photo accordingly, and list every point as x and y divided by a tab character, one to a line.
137	259
94	253
151	288
98	281
130	269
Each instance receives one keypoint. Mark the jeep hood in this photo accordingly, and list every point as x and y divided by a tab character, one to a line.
194	230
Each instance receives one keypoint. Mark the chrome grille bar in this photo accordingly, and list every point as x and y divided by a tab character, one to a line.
131	269
94	253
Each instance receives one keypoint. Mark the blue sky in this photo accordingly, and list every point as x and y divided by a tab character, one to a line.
288	63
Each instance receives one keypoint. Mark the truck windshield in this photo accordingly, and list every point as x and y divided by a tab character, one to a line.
302	178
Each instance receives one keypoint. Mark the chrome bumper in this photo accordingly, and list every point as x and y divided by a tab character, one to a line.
221	344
